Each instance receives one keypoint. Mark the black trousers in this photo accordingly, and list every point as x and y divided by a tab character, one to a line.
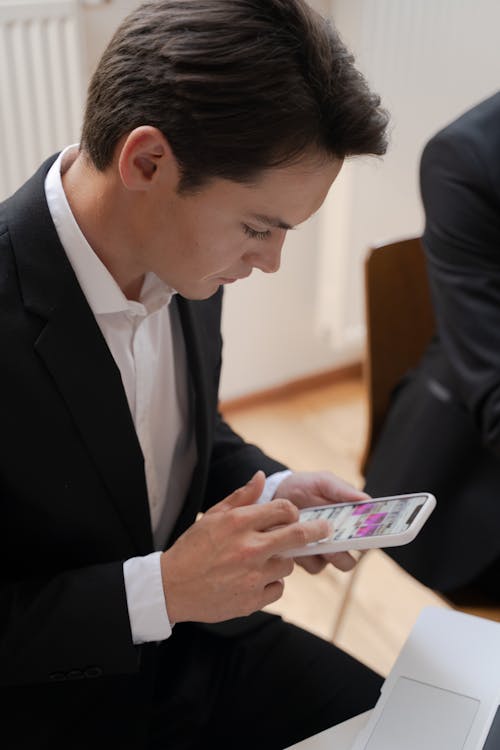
266	688
251	683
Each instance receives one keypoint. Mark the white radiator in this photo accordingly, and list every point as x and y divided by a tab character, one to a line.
41	89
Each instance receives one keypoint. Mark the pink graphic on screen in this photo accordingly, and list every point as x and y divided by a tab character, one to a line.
373	518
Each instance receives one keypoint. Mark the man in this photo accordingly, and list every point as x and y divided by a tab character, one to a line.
212	127
443	430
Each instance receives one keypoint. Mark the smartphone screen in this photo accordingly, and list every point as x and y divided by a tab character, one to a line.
373	518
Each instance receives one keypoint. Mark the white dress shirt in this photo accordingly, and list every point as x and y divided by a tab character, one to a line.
146	342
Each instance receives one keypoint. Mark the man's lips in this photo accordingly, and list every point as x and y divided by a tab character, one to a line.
232	279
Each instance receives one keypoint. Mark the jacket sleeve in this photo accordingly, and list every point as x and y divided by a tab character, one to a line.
462	244
43	619
234	462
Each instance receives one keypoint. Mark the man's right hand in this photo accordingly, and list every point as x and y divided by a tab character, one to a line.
229	564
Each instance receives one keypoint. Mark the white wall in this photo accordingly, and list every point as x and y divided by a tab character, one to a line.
269	325
101	18
270	328
430	60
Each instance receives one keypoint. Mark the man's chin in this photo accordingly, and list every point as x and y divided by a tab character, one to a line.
201	292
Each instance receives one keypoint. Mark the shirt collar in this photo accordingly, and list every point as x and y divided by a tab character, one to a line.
99	287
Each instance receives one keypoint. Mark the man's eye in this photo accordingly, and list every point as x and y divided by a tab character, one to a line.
254	234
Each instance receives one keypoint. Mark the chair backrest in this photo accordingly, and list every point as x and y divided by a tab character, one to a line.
399	324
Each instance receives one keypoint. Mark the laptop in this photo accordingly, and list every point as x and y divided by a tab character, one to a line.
443	692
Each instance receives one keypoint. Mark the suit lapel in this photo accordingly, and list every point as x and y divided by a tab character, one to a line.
188	313
78	359
76	355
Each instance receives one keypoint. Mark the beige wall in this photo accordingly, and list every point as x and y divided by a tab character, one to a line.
100	21
430	60
270	323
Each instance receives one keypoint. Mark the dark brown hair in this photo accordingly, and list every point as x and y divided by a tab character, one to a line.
236	87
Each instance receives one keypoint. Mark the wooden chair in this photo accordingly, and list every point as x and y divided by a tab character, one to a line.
399	325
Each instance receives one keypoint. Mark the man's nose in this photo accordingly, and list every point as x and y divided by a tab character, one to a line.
269	259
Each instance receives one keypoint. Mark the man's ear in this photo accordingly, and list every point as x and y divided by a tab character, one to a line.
145	159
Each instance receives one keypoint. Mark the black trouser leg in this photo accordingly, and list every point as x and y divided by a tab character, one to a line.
266	689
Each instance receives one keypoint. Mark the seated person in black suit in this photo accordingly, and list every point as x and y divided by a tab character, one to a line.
442	432
212	127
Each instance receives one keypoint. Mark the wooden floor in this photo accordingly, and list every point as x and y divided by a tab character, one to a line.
325	429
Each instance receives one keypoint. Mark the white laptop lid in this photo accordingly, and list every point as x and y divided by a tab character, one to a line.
443	692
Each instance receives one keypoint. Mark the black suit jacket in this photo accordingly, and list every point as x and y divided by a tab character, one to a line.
73	494
443	430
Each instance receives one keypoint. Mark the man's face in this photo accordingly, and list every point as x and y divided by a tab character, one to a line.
196	242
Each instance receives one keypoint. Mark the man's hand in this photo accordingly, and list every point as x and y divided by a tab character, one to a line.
306	489
229	564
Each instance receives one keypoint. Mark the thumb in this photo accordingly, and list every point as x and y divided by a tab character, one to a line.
246	495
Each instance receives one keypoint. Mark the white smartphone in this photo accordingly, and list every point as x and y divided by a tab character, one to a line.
379	522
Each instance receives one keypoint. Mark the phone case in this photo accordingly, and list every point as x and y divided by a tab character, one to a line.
374	541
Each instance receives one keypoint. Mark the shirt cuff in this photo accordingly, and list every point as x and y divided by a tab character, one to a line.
145	599
272	482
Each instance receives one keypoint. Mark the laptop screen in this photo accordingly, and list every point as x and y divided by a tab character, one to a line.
493	738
